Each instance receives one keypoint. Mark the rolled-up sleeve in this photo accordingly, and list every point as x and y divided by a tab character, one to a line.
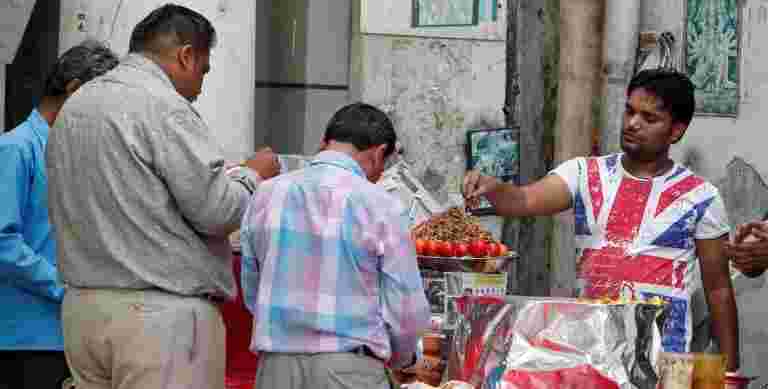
210	198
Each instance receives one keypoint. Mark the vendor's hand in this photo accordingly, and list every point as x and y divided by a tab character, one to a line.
265	163
477	185
734	380
749	250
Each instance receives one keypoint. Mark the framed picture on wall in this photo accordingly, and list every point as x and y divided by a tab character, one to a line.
445	13
713	55
494	152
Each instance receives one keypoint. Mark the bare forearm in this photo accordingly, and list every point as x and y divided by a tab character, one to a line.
722	305
509	200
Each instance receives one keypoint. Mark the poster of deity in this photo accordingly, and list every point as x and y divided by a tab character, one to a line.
712	54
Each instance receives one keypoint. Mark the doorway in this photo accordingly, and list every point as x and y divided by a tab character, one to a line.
38	51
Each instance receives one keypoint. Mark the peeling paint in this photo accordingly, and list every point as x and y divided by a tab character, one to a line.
435	90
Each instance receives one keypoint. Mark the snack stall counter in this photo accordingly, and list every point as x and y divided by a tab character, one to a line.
457	256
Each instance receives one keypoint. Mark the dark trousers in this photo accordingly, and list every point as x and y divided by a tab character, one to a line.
32	369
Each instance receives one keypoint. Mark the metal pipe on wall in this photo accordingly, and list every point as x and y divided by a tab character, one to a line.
581	55
2	98
622	28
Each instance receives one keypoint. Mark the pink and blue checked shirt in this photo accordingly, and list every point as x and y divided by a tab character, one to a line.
329	266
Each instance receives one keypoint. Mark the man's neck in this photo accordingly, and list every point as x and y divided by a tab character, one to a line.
647	169
344	148
49	108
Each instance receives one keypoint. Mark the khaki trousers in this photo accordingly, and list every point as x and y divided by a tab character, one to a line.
320	371
129	339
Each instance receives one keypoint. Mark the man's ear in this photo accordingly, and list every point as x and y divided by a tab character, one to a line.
678	130
186	57
72	86
381	151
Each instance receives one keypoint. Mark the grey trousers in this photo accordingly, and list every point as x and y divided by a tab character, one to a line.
320	371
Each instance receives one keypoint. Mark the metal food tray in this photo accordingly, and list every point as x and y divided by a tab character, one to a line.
468	264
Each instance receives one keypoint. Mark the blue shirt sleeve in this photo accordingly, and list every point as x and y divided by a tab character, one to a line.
20	265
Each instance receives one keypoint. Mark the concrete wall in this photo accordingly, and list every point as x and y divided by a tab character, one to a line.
304	78
226	105
434	84
731	153
14	15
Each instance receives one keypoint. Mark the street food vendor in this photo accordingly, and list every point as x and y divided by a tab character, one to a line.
329	269
642	221
143	207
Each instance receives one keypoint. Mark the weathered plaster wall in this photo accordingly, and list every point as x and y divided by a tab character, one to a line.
731	153
434	90
227	103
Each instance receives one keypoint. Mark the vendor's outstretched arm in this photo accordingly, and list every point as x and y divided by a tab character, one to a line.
547	196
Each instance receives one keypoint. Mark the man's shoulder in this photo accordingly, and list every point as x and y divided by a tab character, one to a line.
682	176
18	140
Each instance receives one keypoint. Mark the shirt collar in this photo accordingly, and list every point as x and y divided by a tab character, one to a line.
146	64
39	124
340	160
141	62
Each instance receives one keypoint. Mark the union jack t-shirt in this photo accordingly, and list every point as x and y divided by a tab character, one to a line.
636	237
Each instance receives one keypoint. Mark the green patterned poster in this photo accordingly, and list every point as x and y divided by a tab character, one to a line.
434	13
712	55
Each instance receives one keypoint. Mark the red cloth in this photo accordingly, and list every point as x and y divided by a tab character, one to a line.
241	362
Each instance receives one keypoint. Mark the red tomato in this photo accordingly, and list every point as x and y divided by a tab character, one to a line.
445	249
460	249
421	246
504	249
494	249
478	248
432	248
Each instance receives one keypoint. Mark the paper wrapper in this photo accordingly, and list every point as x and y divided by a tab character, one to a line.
536	343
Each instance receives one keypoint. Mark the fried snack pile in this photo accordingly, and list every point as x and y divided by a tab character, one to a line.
454	225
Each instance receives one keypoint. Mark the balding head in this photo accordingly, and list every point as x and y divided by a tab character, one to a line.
172	26
179	40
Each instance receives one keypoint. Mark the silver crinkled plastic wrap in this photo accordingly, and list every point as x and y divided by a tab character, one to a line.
517	342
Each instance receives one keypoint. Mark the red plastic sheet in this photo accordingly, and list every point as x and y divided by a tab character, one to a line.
241	362
582	377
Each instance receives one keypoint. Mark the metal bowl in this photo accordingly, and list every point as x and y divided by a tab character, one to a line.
468	264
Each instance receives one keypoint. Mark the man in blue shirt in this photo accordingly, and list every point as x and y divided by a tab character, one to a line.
31	345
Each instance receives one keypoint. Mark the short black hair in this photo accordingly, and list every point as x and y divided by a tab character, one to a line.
673	88
183	25
83	62
363	126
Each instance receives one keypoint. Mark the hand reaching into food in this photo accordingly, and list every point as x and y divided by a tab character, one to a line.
476	185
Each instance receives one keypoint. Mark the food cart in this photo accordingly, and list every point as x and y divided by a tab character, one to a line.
448	271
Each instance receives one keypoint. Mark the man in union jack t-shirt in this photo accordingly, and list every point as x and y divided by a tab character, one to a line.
645	226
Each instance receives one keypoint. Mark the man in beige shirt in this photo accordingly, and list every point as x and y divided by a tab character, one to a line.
143	206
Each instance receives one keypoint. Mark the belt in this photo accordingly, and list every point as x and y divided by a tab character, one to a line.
366	352
214	298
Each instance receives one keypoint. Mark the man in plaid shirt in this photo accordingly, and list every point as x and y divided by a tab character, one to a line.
329	269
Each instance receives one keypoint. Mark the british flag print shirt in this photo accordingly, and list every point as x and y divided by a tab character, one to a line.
636	237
